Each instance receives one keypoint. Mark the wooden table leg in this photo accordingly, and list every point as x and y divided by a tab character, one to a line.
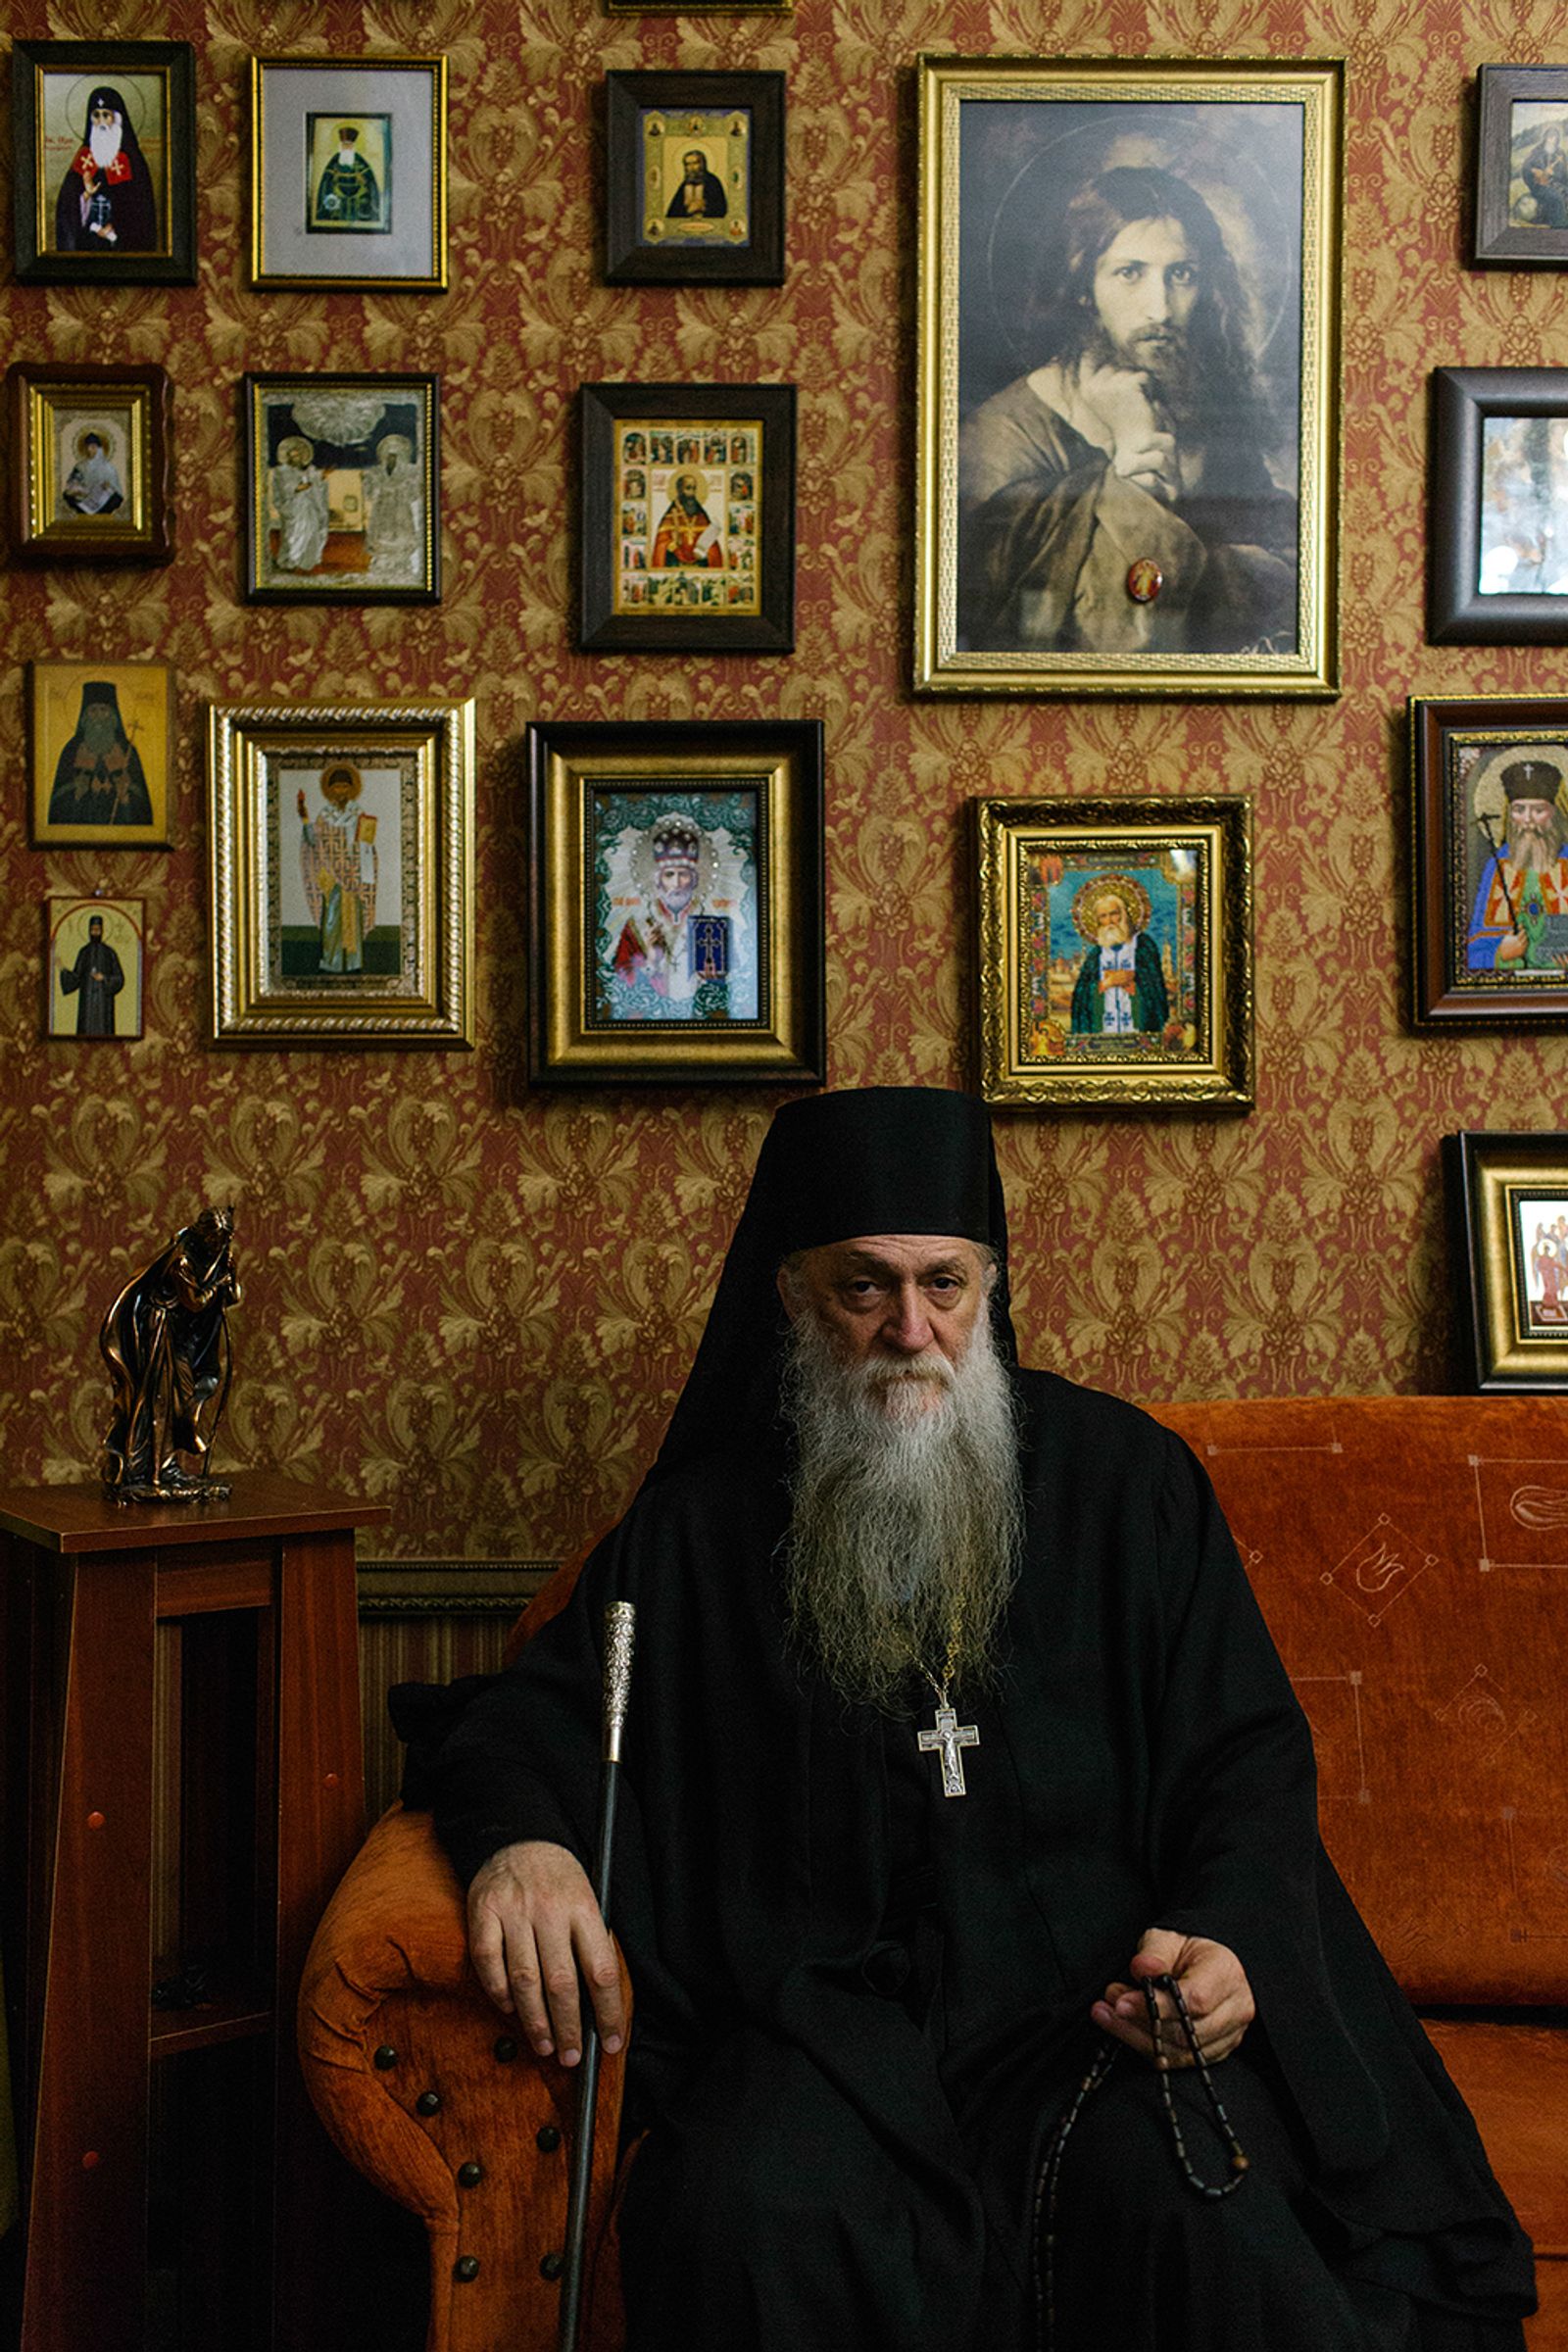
86	2238
321	1798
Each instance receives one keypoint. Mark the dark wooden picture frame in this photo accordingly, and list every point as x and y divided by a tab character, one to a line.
113	504
49	81
1507	1208
383	470
1521	212
677	928
1472	763
1473	453
650	119
732	588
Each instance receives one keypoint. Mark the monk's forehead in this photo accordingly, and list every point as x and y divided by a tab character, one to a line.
898	1253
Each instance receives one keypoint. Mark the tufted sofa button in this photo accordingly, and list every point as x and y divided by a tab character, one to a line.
466	2268
552	2265
546	2140
429	2102
469	2175
386	2056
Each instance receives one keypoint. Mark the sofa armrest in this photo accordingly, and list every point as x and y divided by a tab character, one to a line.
434	2098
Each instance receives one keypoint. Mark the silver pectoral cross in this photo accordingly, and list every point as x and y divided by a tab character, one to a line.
946	1740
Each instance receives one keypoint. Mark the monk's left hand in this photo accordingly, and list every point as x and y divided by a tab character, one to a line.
1219	1999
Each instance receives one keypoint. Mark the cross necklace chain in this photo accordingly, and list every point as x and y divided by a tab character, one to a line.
947	1735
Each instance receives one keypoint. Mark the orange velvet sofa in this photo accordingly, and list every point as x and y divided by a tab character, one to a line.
1411	1557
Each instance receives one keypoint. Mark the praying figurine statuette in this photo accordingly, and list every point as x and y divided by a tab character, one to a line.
166	1343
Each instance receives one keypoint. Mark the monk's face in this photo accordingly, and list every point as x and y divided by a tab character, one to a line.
1111	927
910	1297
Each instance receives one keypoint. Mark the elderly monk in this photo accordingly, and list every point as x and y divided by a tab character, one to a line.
953	1723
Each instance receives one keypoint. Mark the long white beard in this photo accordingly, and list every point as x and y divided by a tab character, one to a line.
1530	851
907	1526
105	144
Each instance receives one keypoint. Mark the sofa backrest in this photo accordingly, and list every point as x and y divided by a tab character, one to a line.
1410	1554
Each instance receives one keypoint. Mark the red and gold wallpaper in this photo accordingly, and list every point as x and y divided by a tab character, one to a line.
475	1301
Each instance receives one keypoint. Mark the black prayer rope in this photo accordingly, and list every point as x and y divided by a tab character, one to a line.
1048	2182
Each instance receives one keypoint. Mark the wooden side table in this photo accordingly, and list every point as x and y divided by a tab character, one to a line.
244	1775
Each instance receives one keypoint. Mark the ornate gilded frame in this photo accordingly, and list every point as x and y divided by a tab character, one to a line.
412	772
1511	1326
606	957
1458	753
1037	868
129	411
409	95
1262	141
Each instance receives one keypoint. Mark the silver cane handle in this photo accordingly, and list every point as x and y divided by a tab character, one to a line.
621	1633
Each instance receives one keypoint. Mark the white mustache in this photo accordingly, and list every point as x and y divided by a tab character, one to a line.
886	1375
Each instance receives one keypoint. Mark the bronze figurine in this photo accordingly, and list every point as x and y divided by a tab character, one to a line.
166	1343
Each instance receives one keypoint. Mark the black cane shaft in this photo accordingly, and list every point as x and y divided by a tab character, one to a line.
582	2146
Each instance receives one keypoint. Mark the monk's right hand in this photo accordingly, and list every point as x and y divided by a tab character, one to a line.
533	1925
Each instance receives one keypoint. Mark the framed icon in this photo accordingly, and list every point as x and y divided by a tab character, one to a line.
677	924
342	489
1520	211
104	147
342	884
694	178
688	518
1499	507
100	754
91	465
1489	882
349	173
1508	1197
1115	951
93	968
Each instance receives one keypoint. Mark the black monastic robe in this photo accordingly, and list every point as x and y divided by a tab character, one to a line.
1142	1762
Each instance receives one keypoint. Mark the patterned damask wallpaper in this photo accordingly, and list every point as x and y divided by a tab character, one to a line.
475	1301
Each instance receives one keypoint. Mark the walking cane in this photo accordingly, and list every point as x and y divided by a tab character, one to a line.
620	1626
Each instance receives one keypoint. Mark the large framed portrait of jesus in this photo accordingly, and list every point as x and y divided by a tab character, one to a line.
1128	436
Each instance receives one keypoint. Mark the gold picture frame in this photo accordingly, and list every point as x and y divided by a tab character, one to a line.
1069	537
100	754
699	8
1508	1197
92	473
341	875
1140	1004
677	903
349	173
